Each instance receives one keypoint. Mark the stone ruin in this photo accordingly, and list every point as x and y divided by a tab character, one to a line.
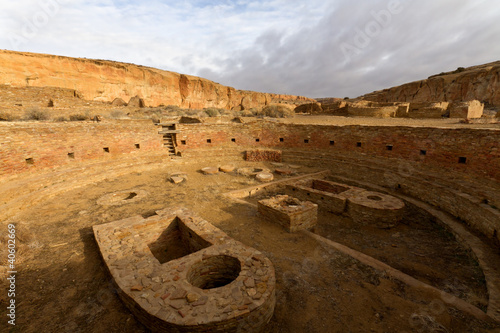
259	155
416	110
291	213
178	273
364	207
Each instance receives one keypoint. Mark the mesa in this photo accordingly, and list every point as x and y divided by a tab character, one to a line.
150	200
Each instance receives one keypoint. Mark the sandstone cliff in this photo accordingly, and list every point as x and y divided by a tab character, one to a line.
101	80
464	84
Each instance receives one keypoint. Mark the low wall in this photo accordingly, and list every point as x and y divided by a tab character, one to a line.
32	146
472	155
225	286
423	162
362	206
471	151
467	110
376	112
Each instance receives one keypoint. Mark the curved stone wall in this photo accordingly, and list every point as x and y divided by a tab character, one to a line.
462	165
468	151
29	147
219	285
364	207
454	169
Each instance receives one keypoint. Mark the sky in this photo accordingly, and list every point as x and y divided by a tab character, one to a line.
313	48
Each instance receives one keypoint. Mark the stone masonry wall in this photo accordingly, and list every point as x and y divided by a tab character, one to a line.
473	151
32	146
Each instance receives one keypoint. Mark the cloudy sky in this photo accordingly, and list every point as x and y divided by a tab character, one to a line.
316	48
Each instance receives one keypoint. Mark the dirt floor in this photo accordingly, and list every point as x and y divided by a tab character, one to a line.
64	286
418	246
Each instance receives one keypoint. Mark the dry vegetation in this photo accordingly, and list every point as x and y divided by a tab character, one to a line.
154	113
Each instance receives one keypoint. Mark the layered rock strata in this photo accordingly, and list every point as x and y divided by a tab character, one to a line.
105	81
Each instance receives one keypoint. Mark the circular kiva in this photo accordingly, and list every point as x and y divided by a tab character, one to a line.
264	177
122	197
210	171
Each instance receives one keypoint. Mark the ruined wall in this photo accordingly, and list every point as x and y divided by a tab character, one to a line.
32	146
425	163
422	162
101	80
467	110
356	110
333	106
427	110
418	110
465	150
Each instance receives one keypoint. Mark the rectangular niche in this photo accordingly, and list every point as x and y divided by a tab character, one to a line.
106	149
71	156
389	147
423	152
30	161
176	241
462	160
137	146
358	144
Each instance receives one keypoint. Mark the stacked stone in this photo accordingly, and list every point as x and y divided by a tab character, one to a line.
224	287
263	155
364	207
291	213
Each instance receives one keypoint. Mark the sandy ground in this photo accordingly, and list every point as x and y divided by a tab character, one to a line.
63	285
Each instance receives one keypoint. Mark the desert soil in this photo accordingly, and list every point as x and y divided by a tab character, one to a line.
64	286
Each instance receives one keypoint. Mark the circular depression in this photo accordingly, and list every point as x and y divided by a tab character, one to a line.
214	272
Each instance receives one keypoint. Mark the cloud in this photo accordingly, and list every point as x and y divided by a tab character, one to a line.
279	46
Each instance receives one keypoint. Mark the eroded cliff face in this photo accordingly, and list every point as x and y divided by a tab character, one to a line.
474	83
100	80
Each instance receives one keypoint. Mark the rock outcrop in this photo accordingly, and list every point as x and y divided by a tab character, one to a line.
105	81
480	83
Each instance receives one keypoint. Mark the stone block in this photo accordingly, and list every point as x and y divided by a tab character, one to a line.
291	213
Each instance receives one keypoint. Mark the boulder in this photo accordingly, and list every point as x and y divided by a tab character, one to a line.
118	102
176	179
136	102
309	108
